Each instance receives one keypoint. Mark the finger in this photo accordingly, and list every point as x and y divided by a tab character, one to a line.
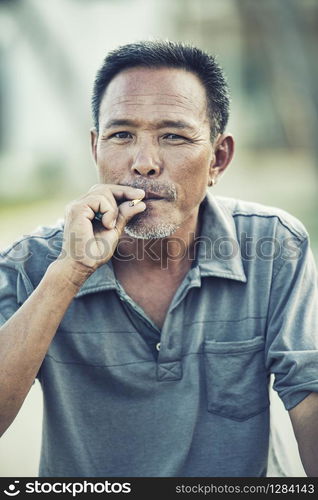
119	192
126	212
109	218
97	205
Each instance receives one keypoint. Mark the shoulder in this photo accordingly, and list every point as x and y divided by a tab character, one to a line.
32	253
39	239
262	219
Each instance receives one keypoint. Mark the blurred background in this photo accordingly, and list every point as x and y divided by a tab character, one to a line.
49	54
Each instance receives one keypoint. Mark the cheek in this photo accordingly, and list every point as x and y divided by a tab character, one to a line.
192	168
111	165
191	173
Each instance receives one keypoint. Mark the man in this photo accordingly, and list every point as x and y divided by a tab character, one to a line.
153	331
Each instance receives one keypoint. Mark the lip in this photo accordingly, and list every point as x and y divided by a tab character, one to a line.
152	197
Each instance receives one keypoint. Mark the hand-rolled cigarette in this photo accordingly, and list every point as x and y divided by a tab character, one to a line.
134	202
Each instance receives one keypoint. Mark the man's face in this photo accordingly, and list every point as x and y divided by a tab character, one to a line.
154	134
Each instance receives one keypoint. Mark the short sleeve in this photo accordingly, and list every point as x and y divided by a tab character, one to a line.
15	286
8	290
292	327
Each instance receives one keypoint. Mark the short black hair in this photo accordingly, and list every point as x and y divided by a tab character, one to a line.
158	54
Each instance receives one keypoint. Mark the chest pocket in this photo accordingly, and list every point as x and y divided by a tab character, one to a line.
236	378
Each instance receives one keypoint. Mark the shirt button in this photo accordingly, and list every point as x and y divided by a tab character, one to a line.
158	346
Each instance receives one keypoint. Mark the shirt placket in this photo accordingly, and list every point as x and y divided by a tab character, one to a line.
167	342
145	327
169	362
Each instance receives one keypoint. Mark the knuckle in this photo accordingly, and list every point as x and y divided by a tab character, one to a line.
93	188
74	208
89	199
70	208
121	219
114	212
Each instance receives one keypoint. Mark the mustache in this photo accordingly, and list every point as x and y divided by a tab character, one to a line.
165	190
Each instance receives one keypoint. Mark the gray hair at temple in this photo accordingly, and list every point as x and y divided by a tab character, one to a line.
158	54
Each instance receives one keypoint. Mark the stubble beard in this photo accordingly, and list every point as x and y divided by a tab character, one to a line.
141	226
141	229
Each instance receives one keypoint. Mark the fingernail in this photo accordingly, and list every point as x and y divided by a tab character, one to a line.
132	203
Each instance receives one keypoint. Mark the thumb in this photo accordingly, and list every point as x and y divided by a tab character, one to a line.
127	212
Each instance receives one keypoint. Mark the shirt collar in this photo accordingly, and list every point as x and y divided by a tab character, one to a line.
218	250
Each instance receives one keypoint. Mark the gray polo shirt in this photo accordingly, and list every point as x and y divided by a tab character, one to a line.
122	398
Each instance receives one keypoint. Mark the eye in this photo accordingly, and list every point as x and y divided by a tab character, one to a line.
174	137
120	135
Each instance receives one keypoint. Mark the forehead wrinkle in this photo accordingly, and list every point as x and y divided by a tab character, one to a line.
165	123
175	96
171	99
176	108
176	102
172	120
119	109
173	84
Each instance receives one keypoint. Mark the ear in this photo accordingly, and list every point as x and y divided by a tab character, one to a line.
94	138
223	154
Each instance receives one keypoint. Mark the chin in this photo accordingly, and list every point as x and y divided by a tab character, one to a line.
141	228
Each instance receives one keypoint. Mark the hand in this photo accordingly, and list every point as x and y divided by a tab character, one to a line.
88	244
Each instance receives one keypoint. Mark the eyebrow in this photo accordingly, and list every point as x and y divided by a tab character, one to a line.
179	124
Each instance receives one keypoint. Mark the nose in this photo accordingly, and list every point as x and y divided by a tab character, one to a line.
145	162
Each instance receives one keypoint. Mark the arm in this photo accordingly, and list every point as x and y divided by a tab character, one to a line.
304	418
292	346
26	336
